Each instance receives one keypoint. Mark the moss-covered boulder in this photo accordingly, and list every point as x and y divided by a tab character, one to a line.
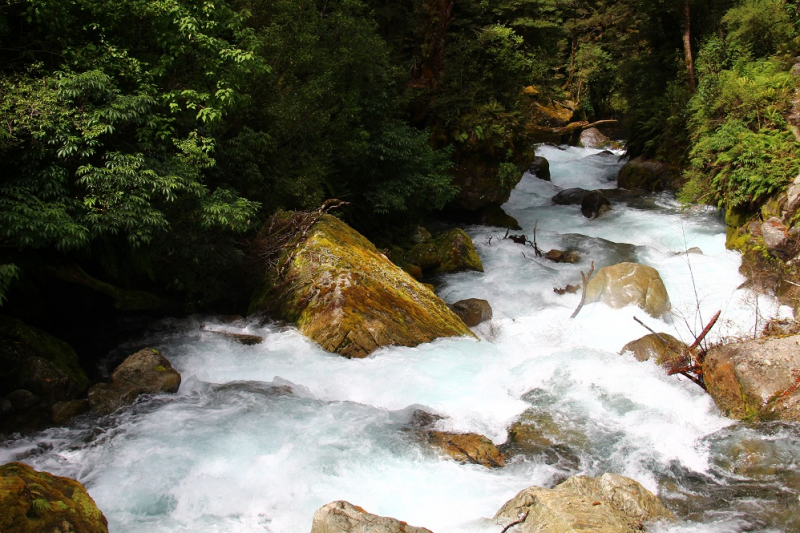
344	294
607	504
145	372
662	348
39	502
34	360
756	379
629	284
647	174
457	252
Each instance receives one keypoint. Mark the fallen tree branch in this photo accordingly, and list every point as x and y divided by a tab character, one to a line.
517	522
585	279
573	126
648	328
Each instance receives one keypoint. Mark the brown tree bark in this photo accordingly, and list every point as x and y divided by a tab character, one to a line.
687	45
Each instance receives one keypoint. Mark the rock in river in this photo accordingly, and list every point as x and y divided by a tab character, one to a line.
629	283
607	504
344	517
344	294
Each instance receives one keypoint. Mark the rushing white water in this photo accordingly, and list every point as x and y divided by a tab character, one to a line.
261	436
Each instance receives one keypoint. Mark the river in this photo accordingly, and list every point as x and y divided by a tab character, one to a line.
259	437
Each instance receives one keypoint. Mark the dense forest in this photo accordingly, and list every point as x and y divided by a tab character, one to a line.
145	142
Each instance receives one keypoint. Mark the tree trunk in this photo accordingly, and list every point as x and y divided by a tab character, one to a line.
687	45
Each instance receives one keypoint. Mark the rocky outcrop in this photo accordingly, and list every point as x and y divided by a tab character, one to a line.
344	517
607	504
629	284
756	379
145	372
472	311
39	502
467	448
778	239
33	360
653	347
348	297
484	181
540	167
647	174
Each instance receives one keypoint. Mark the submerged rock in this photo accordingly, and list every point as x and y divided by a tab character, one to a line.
348	297
145	372
472	311
594	204
653	347
540	167
629	283
39	502
467	448
562	256
344	517
607	504
573	196
756	379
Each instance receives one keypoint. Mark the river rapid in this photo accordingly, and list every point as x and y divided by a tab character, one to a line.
259	437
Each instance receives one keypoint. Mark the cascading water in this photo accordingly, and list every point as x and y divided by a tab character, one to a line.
261	436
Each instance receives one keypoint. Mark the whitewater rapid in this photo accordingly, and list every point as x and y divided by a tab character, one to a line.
259	437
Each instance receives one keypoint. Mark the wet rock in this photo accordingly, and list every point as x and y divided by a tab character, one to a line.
472	311
467	448
562	256
629	283
653	347
793	198
39	502
32	359
593	138
540	167
776	238
693	250
607	504
23	399
145	372
421	235
61	412
241	338
483	180
457	252
572	196
425	255
594	204
756	379
345	295
647	174
344	517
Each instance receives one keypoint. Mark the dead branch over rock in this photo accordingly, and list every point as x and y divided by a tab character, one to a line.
585	279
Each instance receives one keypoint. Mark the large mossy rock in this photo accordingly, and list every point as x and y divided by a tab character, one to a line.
145	372
629	283
348	297
482	181
607	504
33	360
457	252
756	379
39	502
344	517
647	174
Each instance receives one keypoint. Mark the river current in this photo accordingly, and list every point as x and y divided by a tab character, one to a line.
259	437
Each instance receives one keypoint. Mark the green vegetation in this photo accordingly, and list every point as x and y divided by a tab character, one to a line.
144	142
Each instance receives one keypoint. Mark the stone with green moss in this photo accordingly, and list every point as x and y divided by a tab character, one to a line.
345	295
457	252
34	360
39	502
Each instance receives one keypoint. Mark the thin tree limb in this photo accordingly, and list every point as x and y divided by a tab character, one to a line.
519	521
585	279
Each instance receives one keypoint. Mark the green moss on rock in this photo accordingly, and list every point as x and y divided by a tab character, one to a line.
35	360
39	502
457	252
344	294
